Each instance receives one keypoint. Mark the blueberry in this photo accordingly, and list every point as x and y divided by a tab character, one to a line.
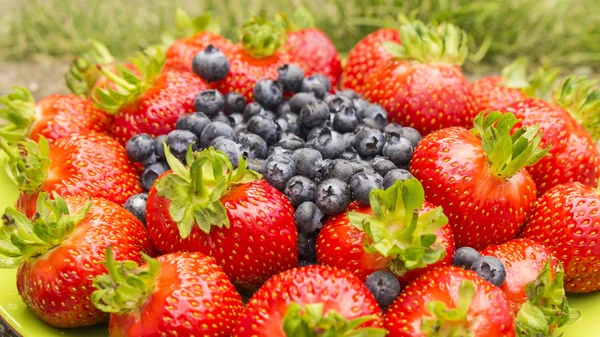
150	160
362	166
308	217
369	142
294	124
314	132
209	102
229	147
136	205
392	127
300	189
151	173
210	64
313	84
359	105
383	167
214	130
256	164
252	146
283	110
159	148
179	141
220	117
328	142
290	141
490	269
345	120
234	103
235	118
194	122
412	135
270	114
268	94
279	150
265	128
374	116
314	114
252	110
324	81
361	185
341	169
300	100
290	77
278	169
307	250
332	196
140	147
384	286
349	141
351	156
464	257
392	176
348	93
282	124
399	150
308	162
240	128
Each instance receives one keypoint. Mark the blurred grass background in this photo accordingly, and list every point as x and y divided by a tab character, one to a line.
562	33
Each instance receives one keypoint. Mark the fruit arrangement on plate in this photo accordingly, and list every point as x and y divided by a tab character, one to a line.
266	188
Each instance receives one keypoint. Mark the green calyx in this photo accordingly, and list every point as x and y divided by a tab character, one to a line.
22	238
262	38
195	193
581	97
506	153
450	322
84	71
128	85
546	308
126	286
430	44
29	168
17	113
397	229
539	83
311	321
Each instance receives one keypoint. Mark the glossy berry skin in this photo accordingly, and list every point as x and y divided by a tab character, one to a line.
194	122
333	196
136	205
91	164
234	103
315	53
365	55
490	269
483	208
491	95
180	54
140	147
524	259
341	245
337	289
290	77
157	109
393	175
308	218
565	220
489	314
57	285
573	156
192	280
427	97
210	102
464	257
268	94
384	286
260	242
300	189
211	64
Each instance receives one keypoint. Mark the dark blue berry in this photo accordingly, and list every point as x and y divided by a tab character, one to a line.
140	147
314	132
278	169
235	118
214	130
136	205
345	120
256	164
349	141
332	196
179	142
351	156
221	117
369	142
314	85
229	147
151	173
279	150
240	128
194	122
348	93
307	250
399	150
324	81
464	257
314	114
290	141
268	94
265	128
328	142
151	160
294	124
290	77
308	217
374	116
361	185
362	166
210	64
383	167
234	103
384	286
282	125
159	148
300	189
253	109
392	128
209	102
336	103
309	162
490	269
252	146
283	110
392	176
359	105
341	169
412	135
300	100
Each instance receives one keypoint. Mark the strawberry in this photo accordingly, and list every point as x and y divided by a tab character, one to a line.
422	86
400	232
450	301
478	177
311	301
533	286
180	294
565	219
53	117
365	56
232	215
150	103
573	156
257	57
76	165
58	251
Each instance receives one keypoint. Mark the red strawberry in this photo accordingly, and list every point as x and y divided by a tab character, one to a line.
150	103
397	238
565	219
58	253
367	54
533	286
450	301
180	294
76	165
308	300
423	86
53	117
232	215
573	156
478	177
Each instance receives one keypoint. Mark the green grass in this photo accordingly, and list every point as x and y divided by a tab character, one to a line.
550	32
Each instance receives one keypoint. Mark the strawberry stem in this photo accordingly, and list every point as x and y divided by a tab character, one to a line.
83	72
447	321
581	97
29	171
262	38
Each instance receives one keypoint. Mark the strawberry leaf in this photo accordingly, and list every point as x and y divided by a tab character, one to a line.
30	168
262	38
446	321
581	97
84	73
17	113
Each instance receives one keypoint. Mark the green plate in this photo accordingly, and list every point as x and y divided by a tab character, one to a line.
24	322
